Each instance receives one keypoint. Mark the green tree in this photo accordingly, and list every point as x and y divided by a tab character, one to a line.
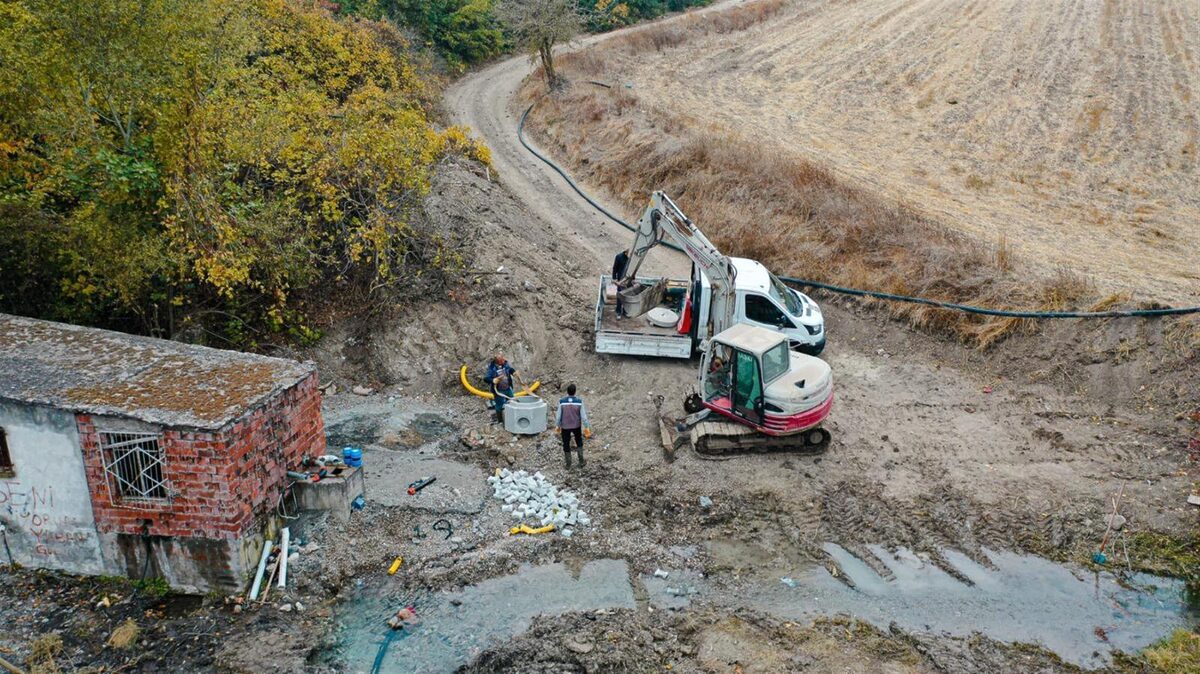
538	25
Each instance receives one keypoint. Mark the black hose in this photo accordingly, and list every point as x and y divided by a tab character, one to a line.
1117	313
383	647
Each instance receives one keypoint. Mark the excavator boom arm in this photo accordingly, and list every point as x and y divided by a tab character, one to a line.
663	218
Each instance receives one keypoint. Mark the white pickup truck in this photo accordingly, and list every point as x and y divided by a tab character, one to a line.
760	299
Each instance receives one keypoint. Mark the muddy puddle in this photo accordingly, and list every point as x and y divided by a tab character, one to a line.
455	627
392	425
1080	615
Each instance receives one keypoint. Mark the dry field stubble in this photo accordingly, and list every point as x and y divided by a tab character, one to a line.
760	194
1069	127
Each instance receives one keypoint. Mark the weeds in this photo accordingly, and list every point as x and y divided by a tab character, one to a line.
675	33
1177	654
42	654
1165	554
791	214
125	635
156	588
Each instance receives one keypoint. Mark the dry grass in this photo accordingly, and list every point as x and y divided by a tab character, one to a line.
1178	654
794	216
670	34
125	635
42	654
962	111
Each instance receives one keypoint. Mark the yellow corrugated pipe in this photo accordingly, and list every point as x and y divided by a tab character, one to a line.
526	529
462	377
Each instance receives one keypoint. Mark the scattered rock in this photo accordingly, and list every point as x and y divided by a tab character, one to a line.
360	390
1115	521
706	502
579	645
286	608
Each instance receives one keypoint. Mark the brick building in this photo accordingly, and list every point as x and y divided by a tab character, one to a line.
132	456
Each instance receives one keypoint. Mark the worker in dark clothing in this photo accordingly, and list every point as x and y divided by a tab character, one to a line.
620	266
500	375
571	420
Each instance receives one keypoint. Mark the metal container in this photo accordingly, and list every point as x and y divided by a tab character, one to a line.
527	415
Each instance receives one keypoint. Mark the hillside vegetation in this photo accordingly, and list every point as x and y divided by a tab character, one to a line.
205	166
466	32
760	195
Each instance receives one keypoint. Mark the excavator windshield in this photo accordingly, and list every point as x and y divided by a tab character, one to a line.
775	362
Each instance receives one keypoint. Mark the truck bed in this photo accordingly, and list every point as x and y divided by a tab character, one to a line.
637	336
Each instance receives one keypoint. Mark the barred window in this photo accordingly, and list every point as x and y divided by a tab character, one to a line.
133	464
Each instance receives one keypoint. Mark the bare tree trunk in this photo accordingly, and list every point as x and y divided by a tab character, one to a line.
546	50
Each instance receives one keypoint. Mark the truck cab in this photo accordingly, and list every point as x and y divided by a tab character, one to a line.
765	301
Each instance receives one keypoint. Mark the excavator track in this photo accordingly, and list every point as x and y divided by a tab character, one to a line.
718	440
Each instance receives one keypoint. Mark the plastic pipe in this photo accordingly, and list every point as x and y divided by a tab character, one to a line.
283	557
462	377
262	566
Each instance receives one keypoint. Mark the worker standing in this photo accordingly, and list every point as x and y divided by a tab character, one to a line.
620	266
500	375
571	421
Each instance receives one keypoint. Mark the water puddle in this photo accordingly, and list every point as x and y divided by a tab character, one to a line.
1080	615
388	424
456	627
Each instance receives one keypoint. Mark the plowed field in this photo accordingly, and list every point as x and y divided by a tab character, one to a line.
1067	128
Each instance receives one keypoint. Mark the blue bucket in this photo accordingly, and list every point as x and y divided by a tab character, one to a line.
352	456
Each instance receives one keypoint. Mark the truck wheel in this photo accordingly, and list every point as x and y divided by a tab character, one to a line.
693	403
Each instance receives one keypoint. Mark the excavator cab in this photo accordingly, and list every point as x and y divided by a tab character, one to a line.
733	380
749	374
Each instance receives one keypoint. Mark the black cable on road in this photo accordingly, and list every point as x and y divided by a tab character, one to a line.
983	311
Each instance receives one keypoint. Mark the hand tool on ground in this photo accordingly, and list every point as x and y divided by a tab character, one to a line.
417	486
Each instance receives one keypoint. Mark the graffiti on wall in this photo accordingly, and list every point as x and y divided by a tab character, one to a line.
30	508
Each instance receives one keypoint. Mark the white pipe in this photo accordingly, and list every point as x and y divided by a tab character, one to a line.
262	566
283	555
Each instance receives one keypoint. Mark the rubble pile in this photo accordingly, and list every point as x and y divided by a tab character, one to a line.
533	497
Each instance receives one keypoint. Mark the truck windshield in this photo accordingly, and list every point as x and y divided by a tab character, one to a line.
784	295
775	362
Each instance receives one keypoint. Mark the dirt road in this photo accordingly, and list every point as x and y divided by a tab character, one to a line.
484	102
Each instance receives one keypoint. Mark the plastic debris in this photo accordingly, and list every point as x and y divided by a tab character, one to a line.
790	582
659	573
534	499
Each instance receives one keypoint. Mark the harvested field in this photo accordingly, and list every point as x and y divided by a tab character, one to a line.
1065	131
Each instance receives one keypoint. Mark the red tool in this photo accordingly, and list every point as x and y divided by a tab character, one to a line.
419	485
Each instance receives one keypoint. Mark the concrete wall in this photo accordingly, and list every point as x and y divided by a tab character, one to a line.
46	507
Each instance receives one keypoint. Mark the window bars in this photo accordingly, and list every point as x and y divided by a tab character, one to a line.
133	466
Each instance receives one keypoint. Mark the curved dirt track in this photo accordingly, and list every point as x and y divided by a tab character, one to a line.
484	102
